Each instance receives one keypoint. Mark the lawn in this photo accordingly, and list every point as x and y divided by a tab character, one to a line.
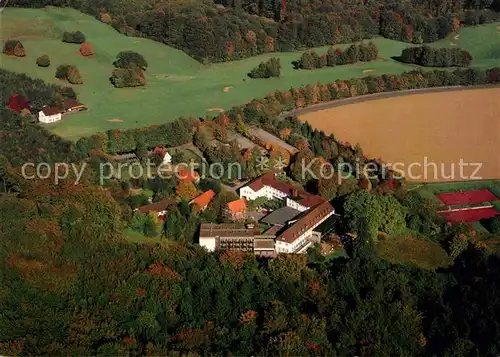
408	249
132	236
177	84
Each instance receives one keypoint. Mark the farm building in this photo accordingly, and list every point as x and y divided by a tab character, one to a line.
49	115
72	105
52	114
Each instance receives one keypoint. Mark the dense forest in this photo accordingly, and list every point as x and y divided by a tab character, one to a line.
235	29
72	286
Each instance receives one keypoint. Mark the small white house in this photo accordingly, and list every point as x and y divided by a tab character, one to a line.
49	115
160	151
167	158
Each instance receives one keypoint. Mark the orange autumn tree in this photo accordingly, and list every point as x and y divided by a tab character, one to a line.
86	49
278	152
186	190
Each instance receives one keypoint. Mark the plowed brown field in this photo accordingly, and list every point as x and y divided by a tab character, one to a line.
442	128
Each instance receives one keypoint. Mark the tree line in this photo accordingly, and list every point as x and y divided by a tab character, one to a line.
239	29
263	112
336	57
436	57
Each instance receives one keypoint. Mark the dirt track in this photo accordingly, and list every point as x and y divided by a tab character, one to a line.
376	96
439	125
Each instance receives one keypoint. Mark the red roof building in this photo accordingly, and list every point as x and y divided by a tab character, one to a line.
18	103
203	200
236	209
187	176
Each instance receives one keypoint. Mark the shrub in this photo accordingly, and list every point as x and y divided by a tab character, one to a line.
125	59
131	76
86	49
458	244
73	37
14	48
43	61
106	18
74	76
436	57
62	71
268	69
69	73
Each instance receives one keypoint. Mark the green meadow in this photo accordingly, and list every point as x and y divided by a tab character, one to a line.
177	84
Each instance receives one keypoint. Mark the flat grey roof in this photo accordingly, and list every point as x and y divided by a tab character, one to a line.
327	226
268	137
264	244
281	216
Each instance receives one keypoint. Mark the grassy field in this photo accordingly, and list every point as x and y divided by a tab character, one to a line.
422	135
132	236
177	84
408	249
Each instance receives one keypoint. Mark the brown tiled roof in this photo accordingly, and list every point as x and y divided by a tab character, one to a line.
157	206
51	110
311	201
309	220
204	199
237	206
71	103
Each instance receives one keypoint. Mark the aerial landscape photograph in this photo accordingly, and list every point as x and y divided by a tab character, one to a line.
250	178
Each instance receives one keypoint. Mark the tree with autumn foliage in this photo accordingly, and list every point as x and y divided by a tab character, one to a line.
186	190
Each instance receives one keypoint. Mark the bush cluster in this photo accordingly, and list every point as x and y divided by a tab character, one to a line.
125	59
73	37
336	57
436	57
14	48
267	69
69	73
43	61
131	76
129	71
